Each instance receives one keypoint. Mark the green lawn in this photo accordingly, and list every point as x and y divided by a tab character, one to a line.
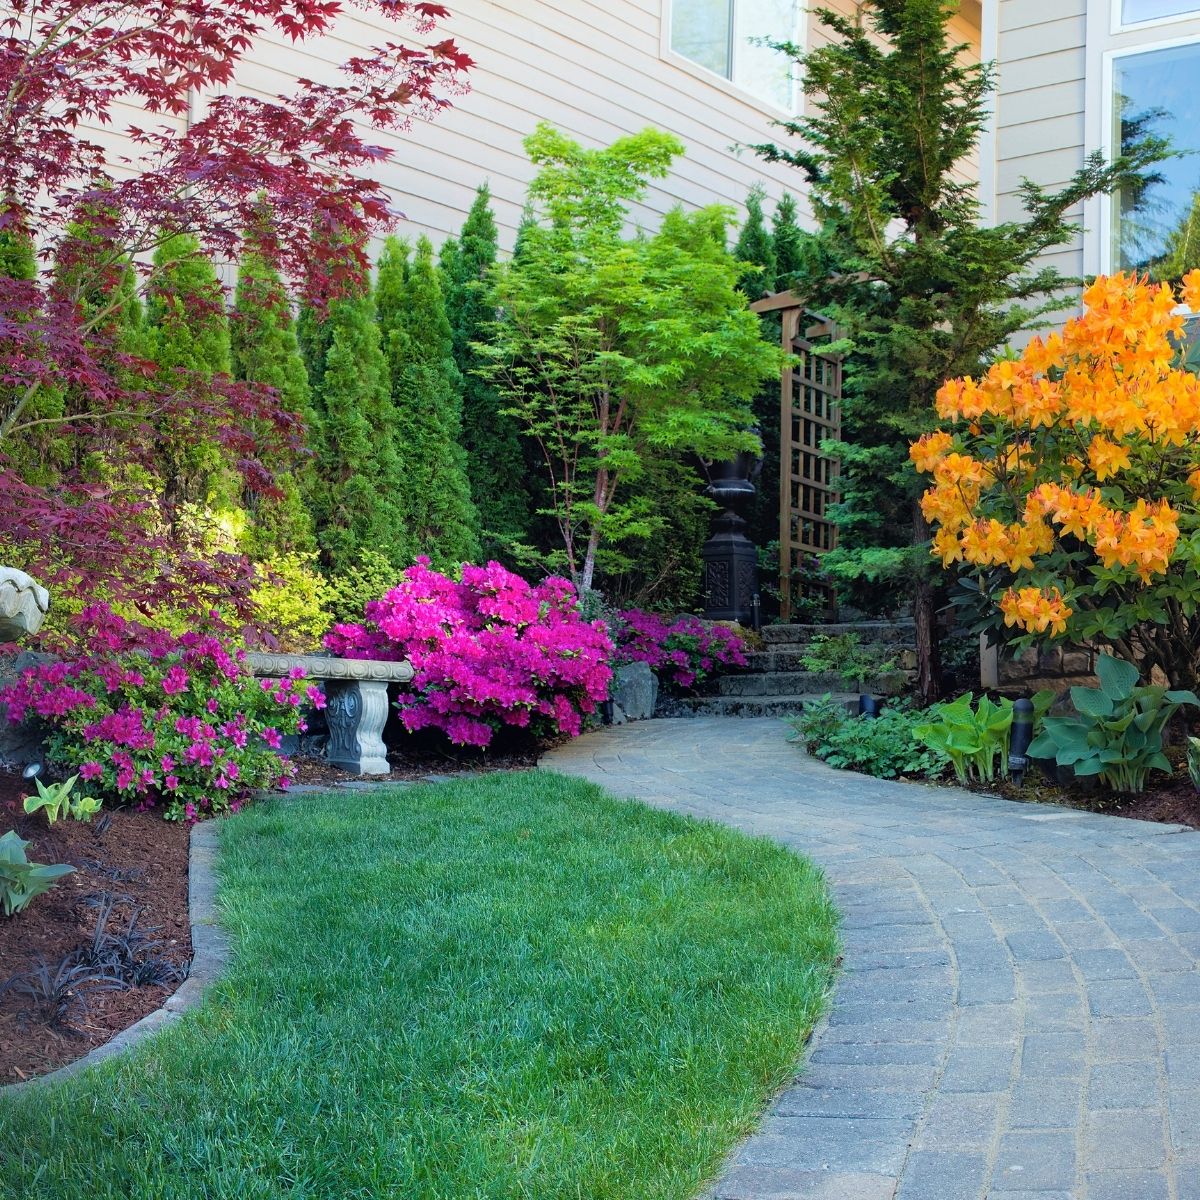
514	986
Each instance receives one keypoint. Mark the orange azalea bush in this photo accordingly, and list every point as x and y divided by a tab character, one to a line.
1067	482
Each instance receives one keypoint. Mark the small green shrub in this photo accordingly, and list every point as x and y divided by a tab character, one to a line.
21	880
58	799
975	736
1118	734
883	746
843	653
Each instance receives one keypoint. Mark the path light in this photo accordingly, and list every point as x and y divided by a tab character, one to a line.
32	770
868	706
1019	740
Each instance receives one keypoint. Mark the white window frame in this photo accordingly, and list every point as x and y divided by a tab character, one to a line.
1104	46
1118	24
668	54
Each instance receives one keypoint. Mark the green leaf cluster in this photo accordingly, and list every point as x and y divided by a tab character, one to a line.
1193	761
883	746
495	461
1118	734
609	349
57	800
432	497
844	653
974	737
21	880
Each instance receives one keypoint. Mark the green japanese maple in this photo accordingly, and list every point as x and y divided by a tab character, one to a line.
612	348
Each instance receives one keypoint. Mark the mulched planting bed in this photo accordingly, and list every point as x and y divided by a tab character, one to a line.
1169	800
135	856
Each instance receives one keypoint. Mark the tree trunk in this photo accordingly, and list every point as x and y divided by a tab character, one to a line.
929	666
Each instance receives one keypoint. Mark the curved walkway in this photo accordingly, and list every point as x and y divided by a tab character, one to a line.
1019	1014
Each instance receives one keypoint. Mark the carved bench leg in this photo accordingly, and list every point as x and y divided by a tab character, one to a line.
356	711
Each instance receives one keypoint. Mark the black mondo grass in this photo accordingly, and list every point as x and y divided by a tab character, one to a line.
56	993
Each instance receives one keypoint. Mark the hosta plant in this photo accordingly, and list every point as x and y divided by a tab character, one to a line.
59	799
1118	734
974	736
20	879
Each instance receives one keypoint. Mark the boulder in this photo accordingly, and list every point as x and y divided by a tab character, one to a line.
635	691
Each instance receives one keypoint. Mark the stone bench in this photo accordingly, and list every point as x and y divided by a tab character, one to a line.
356	702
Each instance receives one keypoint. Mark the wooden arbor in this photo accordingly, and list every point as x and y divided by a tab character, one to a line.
810	413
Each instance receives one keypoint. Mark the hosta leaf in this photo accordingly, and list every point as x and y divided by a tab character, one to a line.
1091	703
1117	677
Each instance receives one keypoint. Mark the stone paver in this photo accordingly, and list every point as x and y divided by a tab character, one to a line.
1019	1011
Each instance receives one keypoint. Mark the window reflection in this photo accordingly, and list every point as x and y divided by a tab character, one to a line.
1157	225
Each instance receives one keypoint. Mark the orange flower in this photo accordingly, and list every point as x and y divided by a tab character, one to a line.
929	450
1107	458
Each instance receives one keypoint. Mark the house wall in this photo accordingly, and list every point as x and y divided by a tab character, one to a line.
596	69
1052	105
1039	104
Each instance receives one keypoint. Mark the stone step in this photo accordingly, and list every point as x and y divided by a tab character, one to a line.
804	683
867	631
747	706
791	658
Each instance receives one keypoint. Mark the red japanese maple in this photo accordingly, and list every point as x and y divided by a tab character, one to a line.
295	170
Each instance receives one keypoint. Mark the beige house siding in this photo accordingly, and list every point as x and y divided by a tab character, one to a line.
595	70
1040	97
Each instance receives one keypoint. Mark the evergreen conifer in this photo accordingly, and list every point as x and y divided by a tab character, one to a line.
188	339
356	486
495	462
266	351
923	290
434	498
787	241
755	246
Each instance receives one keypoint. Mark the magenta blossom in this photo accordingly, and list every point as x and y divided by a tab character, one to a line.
489	651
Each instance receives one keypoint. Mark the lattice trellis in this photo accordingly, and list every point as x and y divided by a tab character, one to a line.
810	413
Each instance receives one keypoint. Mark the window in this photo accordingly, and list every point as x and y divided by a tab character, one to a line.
1156	226
721	35
1133	12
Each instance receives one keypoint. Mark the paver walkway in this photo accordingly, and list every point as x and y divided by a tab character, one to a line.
1019	1014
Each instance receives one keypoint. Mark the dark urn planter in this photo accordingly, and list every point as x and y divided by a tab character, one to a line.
730	557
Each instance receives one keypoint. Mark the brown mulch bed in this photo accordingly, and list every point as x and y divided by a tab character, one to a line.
1168	799
134	855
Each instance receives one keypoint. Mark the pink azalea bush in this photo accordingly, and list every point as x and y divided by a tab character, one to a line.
148	717
489	651
681	652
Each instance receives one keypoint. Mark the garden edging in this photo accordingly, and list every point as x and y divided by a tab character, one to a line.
210	954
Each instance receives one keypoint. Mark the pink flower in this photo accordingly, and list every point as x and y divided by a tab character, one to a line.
167	763
90	770
272	738
171	783
212	705
175	681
